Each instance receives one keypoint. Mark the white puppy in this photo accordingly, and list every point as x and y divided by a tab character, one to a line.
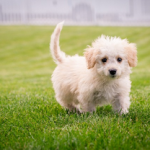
101	77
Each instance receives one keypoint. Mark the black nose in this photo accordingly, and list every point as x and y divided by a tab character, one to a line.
112	71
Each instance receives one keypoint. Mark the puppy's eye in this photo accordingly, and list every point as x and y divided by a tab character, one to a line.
104	60
119	59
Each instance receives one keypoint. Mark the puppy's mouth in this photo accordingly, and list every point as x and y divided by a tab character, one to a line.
112	76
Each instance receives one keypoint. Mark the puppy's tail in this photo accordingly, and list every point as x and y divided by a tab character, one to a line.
57	54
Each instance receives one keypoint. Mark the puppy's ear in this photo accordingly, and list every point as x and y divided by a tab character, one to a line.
131	54
90	56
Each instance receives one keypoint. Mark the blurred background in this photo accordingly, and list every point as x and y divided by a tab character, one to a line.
75	12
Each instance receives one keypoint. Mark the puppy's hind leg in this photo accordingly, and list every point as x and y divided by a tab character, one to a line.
69	107
86	107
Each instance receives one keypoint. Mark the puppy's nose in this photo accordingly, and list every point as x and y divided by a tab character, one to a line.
112	71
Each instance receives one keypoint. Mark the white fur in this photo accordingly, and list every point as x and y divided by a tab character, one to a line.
79	88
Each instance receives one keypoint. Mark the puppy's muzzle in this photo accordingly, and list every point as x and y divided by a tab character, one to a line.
113	72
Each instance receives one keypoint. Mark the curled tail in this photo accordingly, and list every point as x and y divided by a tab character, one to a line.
57	54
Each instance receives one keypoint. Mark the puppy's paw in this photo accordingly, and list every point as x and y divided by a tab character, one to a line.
124	111
121	111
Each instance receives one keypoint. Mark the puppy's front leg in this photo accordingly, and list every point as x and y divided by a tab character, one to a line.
121	104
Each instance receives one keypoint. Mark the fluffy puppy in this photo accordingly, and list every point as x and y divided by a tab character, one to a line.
100	77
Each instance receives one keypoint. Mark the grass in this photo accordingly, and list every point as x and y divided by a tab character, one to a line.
30	117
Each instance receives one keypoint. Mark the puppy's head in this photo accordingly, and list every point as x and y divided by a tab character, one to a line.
111	56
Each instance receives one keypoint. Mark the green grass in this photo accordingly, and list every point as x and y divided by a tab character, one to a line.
30	117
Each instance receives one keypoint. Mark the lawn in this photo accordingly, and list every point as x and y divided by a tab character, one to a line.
30	117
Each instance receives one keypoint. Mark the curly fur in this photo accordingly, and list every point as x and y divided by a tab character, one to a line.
82	83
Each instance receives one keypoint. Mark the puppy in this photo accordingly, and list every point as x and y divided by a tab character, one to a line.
100	77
